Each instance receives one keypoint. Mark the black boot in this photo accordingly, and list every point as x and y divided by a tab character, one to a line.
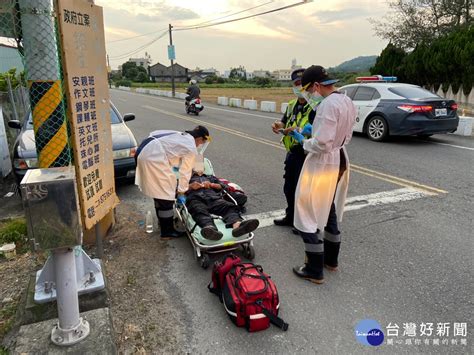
167	229
312	270
284	221
332	244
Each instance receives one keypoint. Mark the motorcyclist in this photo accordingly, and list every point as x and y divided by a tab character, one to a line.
192	91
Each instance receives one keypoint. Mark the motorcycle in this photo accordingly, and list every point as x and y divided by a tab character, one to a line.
194	106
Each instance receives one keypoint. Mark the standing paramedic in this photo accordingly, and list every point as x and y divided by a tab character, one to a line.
323	183
298	114
156	156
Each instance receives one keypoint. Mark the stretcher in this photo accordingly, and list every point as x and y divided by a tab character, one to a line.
204	248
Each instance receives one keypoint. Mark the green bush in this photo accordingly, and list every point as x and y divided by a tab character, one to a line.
123	83
14	231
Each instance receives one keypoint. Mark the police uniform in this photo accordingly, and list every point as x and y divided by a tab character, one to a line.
297	115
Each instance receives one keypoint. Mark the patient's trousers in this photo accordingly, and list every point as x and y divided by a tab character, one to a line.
201	210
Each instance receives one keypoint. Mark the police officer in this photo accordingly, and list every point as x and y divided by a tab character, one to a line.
298	114
324	179
156	157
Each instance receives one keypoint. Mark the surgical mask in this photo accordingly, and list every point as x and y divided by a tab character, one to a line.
201	148
297	92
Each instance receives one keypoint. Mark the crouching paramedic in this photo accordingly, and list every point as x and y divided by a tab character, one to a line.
156	156
204	198
298	115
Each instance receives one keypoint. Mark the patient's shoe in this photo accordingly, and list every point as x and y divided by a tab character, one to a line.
245	227
211	233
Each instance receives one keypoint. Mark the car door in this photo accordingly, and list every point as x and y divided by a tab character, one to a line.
366	100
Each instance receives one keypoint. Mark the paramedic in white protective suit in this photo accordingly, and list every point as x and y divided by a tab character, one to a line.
324	179
156	156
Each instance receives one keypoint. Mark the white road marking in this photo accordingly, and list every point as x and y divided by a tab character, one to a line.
452	145
263	116
206	107
354	203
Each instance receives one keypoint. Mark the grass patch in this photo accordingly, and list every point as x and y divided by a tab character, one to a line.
14	231
7	318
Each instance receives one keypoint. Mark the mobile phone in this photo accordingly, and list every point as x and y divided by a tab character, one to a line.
281	130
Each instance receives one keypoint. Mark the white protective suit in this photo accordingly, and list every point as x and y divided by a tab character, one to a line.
154	173
332	129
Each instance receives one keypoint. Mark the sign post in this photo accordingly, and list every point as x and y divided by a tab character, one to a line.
85	72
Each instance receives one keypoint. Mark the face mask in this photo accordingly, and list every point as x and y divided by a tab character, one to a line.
297	92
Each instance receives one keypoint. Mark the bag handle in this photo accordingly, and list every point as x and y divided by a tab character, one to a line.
261	276
275	320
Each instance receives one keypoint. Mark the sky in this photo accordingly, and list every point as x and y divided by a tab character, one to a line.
318	32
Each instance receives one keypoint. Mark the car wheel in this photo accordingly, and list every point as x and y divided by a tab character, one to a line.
377	128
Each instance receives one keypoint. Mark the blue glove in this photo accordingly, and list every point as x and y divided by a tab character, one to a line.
307	129
181	200
297	136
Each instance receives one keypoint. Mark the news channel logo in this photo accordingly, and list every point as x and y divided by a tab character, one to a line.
369	332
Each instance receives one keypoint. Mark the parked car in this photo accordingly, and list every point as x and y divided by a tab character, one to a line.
124	146
396	109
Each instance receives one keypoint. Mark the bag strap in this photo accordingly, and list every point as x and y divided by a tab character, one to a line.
275	320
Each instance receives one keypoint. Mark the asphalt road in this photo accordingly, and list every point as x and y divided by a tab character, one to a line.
405	260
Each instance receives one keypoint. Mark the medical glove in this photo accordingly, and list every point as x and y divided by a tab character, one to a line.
297	136
181	200
307	129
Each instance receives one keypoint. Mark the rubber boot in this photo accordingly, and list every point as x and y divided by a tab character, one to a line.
312	270
167	229
332	244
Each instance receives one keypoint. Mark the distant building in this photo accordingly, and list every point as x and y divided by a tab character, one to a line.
282	74
10	58
141	62
201	74
261	73
294	65
159	72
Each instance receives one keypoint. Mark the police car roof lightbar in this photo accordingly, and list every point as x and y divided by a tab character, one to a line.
376	79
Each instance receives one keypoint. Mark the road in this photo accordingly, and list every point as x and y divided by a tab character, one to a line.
407	252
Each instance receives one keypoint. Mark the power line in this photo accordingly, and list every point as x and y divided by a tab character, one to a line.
201	23
124	55
138	36
230	15
243	18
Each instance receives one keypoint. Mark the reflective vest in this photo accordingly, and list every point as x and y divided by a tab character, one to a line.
298	120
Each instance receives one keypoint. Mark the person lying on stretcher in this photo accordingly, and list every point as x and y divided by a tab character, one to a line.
205	197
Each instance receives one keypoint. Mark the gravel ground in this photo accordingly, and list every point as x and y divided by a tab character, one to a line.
144	318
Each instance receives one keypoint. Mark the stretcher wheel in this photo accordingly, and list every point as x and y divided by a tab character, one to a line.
249	252
205	261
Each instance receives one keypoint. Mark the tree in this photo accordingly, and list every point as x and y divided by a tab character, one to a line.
141	77
390	61
411	22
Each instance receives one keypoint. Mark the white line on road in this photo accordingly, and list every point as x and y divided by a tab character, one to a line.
453	145
271	118
354	203
207	107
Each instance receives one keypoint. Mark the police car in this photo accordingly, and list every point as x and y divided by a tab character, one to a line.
389	108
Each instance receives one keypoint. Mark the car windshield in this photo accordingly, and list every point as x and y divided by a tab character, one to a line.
413	92
114	119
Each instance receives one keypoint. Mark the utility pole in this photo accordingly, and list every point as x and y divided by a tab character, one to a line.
171	57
